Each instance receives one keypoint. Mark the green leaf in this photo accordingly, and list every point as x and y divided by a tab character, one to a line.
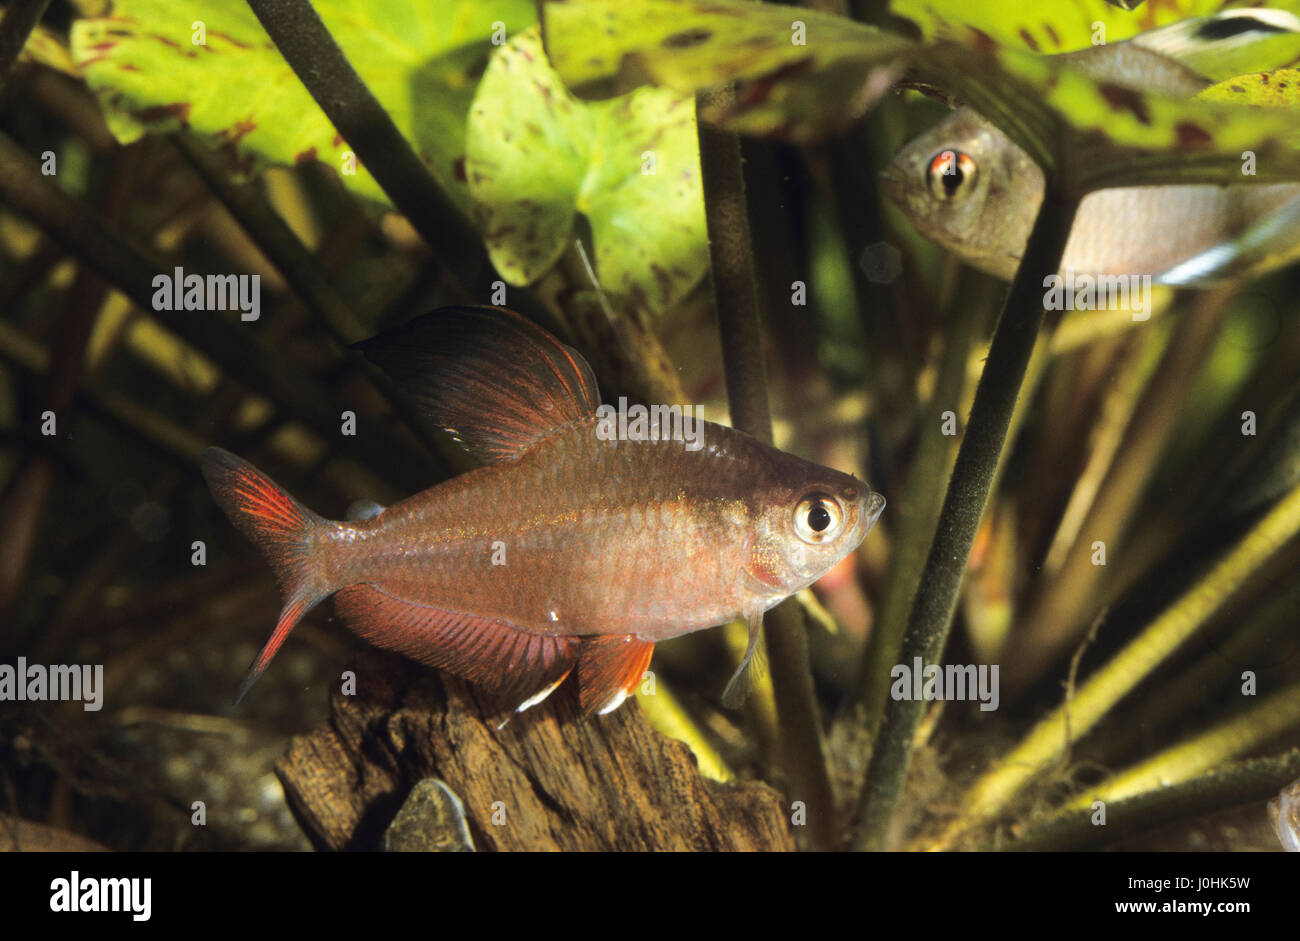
1277	89
1060	26
536	157
1089	120
803	73
419	57
1097	133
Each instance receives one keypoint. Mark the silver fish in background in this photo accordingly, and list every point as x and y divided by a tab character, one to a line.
1284	812
967	186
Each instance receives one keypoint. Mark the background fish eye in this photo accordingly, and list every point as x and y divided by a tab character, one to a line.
817	518
948	173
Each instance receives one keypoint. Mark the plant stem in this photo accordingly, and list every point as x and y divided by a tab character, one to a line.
105	248
968	492
1108	685
357	115
1239	734
20	18
917	513
1064	599
736	293
1241	783
264	226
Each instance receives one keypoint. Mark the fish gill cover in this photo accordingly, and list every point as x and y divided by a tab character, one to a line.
1088	558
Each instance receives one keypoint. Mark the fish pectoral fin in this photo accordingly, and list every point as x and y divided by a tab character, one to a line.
504	659
497	382
742	681
609	668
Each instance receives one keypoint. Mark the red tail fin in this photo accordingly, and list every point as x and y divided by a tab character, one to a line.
283	530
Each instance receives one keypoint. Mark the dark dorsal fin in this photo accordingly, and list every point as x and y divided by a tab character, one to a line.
1225	27
496	381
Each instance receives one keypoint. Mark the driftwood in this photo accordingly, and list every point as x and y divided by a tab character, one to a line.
549	780
28	836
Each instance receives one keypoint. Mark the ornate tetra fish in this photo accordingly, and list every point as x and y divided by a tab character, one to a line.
570	551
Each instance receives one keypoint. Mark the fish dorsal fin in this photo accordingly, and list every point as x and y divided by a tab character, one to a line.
497	382
1228	43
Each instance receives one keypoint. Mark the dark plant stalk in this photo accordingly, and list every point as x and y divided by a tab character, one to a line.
917	513
20	18
171	440
304	272
735	291
1064	602
357	115
23	509
1241	783
968	493
301	269
105	248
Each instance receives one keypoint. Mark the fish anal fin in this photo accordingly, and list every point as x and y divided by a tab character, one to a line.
501	658
496	381
609	668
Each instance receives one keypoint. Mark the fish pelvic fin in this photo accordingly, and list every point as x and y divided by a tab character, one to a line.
751	666
496	381
506	660
609	668
284	531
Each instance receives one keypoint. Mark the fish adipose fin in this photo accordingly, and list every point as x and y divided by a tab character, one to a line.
495	380
503	659
609	668
284	531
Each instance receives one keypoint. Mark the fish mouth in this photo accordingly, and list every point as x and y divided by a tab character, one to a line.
871	512
893	182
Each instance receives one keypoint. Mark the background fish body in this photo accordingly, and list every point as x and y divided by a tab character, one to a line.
567	550
967	186
1284	813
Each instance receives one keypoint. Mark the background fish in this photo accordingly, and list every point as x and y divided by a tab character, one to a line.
565	551
1284	812
967	186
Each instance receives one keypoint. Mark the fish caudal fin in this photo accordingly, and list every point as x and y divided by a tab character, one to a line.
609	668
284	531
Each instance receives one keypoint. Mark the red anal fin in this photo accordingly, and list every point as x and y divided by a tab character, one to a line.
503	659
496	381
609	668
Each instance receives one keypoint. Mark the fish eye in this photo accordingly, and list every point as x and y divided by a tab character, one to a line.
817	518
950	174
